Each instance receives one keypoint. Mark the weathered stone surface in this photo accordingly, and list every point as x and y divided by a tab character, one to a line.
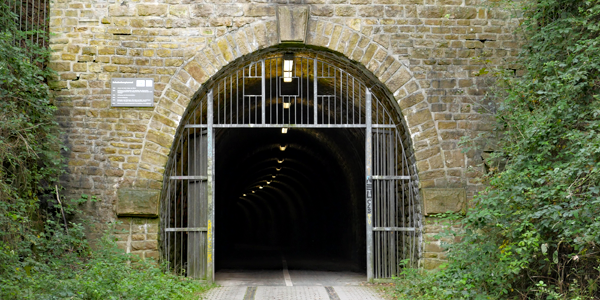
292	21
152	9
442	200
136	202
421	50
118	10
259	10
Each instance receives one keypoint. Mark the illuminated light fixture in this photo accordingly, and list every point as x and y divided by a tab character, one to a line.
278	169
280	161
282	148
288	66
268	182
284	130
260	187
286	105
273	176
252	192
243	195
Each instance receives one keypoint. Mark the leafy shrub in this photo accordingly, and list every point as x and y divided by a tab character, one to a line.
43	253
535	231
106	273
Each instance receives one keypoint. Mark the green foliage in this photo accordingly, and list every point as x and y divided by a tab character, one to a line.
535	232
30	159
106	273
43	253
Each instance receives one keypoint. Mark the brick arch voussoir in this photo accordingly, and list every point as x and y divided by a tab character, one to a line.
373	52
188	79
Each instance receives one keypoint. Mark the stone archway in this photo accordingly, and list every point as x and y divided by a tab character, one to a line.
392	207
421	52
371	52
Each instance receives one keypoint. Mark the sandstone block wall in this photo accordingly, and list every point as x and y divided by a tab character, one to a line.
428	53
138	236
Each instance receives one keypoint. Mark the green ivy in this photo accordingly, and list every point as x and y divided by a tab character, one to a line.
534	233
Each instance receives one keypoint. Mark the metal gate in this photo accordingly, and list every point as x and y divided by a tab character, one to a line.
286	90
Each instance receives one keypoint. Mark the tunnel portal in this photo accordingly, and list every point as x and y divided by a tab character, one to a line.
299	194
295	153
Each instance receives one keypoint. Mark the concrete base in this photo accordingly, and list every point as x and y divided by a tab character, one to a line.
301	285
293	293
228	278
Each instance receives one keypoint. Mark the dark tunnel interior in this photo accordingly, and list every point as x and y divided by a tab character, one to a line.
298	195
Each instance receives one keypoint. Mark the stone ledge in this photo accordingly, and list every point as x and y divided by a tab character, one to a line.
441	200
137	203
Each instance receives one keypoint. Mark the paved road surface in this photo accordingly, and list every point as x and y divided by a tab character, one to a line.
290	285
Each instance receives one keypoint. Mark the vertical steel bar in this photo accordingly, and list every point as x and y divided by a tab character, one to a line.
46	29
25	17
237	97
271	93
167	223
301	90
353	104
210	191
244	94
369	192
315	92
264	94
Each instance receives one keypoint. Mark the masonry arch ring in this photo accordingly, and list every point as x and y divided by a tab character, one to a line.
321	91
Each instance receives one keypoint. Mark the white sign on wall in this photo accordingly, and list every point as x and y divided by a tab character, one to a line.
132	92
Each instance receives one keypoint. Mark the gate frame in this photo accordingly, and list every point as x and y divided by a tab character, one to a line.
369	177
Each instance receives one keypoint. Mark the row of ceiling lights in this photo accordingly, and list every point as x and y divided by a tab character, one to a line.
288	66
281	148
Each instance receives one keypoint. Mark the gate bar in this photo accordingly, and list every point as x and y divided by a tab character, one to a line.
369	184
202	178
185	229
290	125
264	94
210	251
394	229
315	93
382	177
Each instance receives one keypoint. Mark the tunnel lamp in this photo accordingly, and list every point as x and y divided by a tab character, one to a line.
260	187
252	192
288	65
278	169
268	182
284	130
273	176
243	195
280	161
282	147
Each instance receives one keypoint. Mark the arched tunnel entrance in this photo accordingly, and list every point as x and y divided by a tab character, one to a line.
296	153
299	194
